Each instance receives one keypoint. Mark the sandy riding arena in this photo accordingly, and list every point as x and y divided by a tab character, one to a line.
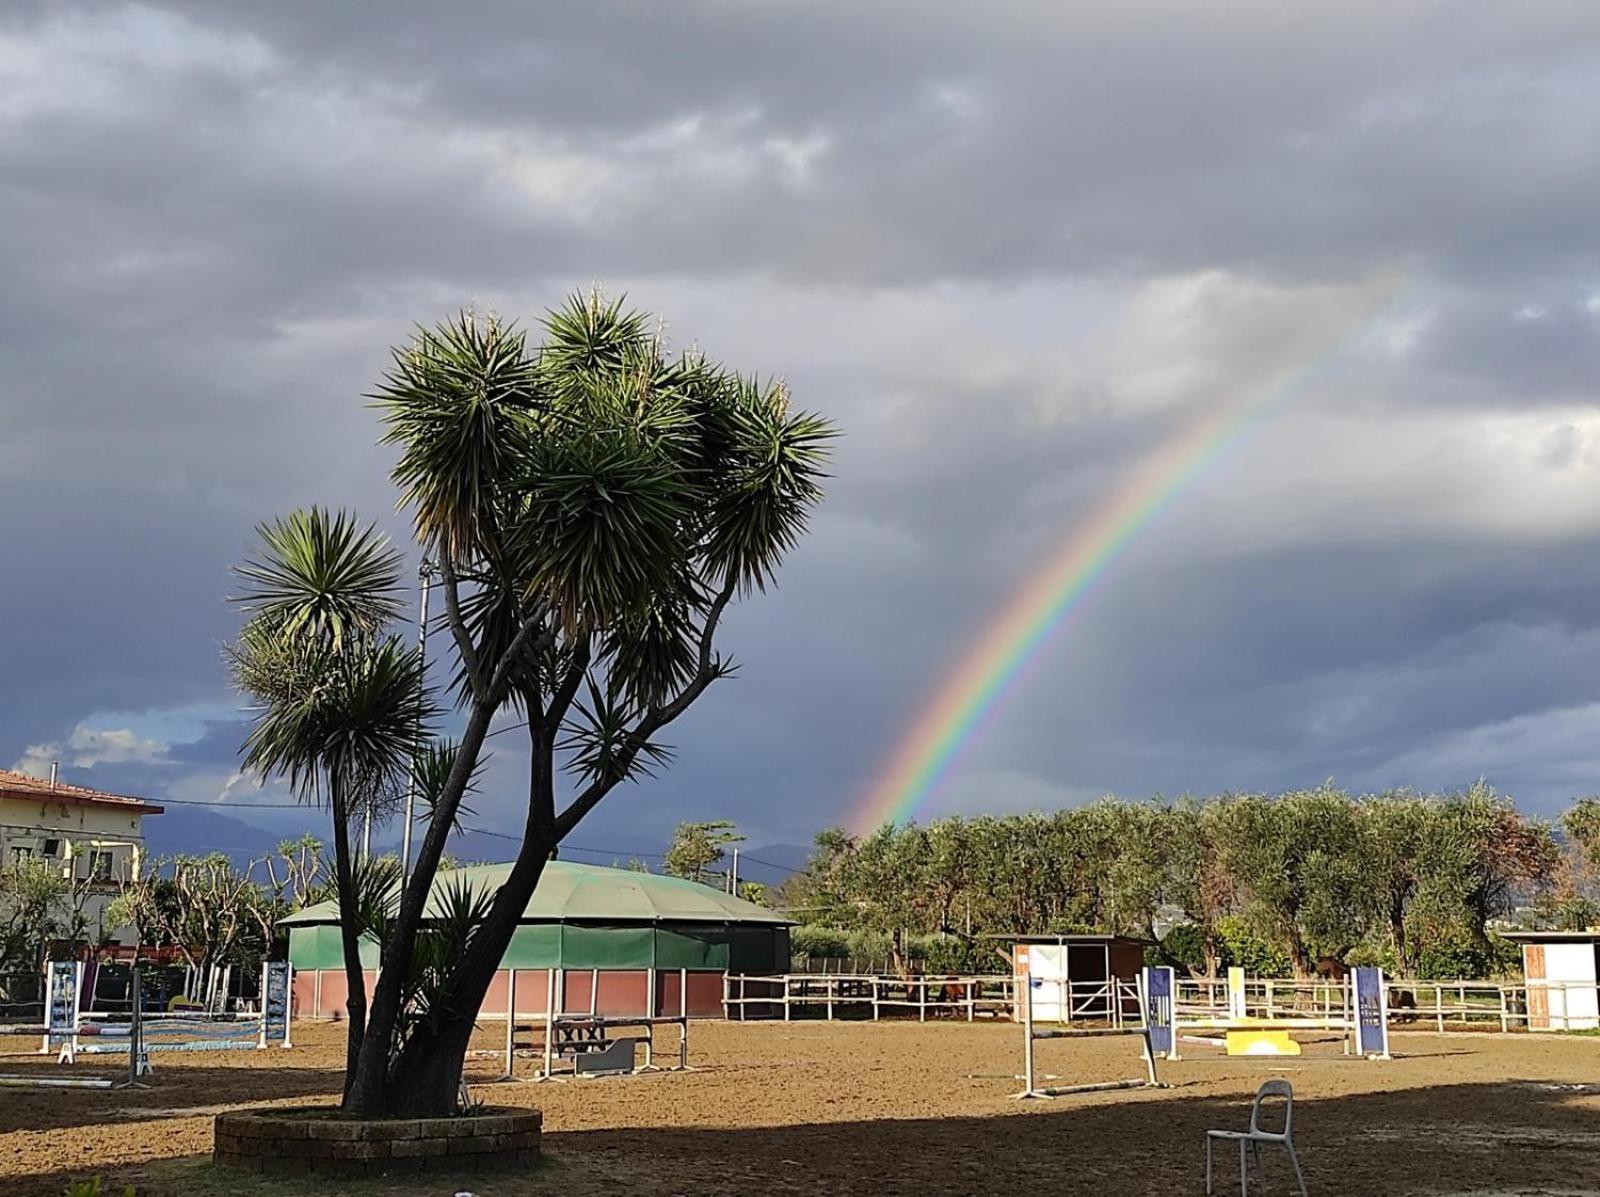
888	1108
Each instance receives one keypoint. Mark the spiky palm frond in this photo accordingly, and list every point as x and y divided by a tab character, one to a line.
322	577
773	467
456	911
376	886
602	525
652	652
351	733
458	401
432	769
597	735
589	333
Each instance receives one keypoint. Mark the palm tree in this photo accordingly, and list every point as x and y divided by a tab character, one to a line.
342	703
594	506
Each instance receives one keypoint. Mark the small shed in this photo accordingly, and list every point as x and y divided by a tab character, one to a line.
1075	976
611	941
1563	979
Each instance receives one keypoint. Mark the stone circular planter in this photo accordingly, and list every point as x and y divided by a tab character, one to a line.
316	1139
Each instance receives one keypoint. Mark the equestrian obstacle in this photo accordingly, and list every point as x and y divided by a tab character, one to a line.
589	1043
71	1031
1362	1021
1155	1007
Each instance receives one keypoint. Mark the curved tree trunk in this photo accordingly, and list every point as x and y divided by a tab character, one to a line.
426	1076
350	941
367	1079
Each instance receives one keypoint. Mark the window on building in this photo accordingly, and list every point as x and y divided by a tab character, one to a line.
51	848
100	865
19	853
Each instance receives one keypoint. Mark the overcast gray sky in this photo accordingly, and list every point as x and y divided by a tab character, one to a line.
1012	250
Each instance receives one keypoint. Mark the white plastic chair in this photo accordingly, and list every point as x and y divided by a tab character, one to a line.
1255	1136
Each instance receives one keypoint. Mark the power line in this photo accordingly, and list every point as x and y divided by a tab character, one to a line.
232	803
499	835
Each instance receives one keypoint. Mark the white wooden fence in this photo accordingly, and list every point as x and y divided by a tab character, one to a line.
1488	1005
857	994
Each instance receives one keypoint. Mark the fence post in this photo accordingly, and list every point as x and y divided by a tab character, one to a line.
1027	1030
550	988
511	1021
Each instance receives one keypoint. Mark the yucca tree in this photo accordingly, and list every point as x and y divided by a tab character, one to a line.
594	505
342	707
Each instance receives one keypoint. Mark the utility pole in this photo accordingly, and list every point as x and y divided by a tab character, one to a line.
733	874
427	572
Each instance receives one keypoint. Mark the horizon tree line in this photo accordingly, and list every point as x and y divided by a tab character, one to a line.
1279	883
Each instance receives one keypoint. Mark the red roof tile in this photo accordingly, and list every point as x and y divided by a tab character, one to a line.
20	785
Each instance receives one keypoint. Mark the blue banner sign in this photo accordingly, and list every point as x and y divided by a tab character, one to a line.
1372	1013
1158	997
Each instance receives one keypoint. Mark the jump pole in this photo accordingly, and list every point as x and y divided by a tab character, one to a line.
683	1014
511	1020
1033	1091
138	1058
550	1022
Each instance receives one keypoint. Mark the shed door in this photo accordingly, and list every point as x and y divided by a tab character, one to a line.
1538	997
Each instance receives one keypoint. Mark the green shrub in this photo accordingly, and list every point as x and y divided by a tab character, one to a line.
1185	944
869	947
1243	948
94	1186
1453	955
1371	955
951	954
819	942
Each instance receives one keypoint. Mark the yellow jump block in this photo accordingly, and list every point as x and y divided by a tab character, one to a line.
1261	1043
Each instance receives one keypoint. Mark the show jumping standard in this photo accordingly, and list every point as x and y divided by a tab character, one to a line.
590	1040
70	1032
1155	1005
1363	1019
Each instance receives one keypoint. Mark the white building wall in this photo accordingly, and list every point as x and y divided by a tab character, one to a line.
1572	1009
96	846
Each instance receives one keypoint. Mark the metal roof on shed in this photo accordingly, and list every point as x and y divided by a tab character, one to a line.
569	892
1551	936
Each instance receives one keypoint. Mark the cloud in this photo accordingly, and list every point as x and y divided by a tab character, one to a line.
85	747
1013	250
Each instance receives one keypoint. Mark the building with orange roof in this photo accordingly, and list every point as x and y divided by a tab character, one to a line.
95	838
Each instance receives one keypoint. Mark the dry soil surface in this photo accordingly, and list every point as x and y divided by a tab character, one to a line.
881	1109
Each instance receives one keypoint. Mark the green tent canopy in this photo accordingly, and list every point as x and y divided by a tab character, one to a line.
585	916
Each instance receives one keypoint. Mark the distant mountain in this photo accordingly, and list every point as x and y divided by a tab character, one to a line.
195	831
772	863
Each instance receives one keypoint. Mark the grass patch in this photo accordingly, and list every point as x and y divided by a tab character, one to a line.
197	1176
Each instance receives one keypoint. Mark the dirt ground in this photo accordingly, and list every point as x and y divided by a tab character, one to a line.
887	1108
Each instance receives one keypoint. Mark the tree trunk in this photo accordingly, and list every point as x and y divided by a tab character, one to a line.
366	1081
1397	936
350	941
424	1080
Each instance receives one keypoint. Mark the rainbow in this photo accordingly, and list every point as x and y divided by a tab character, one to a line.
991	667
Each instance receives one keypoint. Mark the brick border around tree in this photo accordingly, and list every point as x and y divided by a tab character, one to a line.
291	1141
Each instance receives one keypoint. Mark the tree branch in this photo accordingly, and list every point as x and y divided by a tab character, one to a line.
561	697
518	648
458	628
703	675
654	720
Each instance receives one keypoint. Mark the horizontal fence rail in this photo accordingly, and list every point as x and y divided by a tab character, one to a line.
857	994
1412	1005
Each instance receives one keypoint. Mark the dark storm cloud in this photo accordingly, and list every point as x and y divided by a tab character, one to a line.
1012	249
